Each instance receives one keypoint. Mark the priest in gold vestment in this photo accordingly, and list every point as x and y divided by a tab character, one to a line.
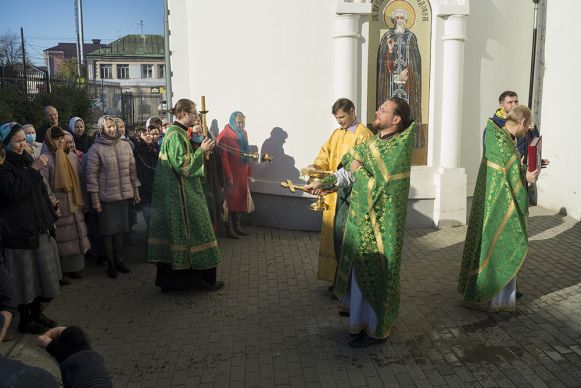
350	133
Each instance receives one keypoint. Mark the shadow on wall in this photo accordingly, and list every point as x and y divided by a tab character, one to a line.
214	128
282	166
279	208
419	212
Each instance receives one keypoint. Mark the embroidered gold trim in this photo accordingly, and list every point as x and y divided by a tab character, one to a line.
373	216
507	214
379	160
500	168
203	247
184	248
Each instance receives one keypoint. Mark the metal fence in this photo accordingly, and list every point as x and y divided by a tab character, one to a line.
107	97
33	81
139	107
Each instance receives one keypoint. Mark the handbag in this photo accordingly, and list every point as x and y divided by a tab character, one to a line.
249	202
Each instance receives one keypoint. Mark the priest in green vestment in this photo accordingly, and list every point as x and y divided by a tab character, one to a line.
367	282
496	241
181	238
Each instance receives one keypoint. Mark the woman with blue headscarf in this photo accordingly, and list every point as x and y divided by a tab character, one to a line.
30	255
236	167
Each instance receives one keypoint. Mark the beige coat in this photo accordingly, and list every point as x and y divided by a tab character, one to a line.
110	171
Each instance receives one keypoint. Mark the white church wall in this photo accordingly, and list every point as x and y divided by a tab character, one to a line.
271	60
274	61
560	184
497	58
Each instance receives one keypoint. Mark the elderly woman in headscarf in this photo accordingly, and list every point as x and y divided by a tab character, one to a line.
236	167
78	130
112	182
62	174
30	254
146	154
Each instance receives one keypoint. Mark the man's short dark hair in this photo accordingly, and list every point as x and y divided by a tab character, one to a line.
402	109
343	104
505	94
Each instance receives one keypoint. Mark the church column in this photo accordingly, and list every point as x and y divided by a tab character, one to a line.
450	203
346	42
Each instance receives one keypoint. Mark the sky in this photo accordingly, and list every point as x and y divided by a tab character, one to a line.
48	22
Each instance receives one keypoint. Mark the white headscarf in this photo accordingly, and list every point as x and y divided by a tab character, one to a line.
72	123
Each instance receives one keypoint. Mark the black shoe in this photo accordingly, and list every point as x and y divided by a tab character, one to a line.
75	275
518	294
344	313
238	229
230	231
44	320
65	281
31	327
365	340
213	287
167	290
112	272
121	267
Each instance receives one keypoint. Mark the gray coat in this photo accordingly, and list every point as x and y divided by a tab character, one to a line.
110	171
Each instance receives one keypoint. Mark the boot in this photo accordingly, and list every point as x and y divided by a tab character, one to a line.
237	225
112	270
230	228
26	324
37	316
121	267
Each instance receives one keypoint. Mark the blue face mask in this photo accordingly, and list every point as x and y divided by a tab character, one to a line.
31	137
197	139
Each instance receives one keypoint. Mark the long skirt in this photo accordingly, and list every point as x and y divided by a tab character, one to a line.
183	279
32	272
72	263
114	218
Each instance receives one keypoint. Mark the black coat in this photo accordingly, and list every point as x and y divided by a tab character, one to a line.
145	162
83	142
25	208
40	132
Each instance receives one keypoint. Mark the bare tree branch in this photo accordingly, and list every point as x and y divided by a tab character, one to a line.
10	48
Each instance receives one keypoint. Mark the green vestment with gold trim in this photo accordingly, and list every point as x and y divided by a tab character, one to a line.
180	231
375	227
496	241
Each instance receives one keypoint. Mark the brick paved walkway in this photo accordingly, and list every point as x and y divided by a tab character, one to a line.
274	325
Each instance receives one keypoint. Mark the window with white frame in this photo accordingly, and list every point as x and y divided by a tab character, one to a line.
160	71
106	71
123	71
146	71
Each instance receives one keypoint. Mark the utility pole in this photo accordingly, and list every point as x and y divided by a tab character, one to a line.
168	90
141	24
534	54
80	37
23	60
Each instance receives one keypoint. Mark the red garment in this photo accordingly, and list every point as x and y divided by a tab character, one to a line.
234	171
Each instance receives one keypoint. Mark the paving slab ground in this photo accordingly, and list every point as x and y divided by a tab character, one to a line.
274	324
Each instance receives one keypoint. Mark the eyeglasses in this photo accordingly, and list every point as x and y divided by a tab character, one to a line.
383	110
